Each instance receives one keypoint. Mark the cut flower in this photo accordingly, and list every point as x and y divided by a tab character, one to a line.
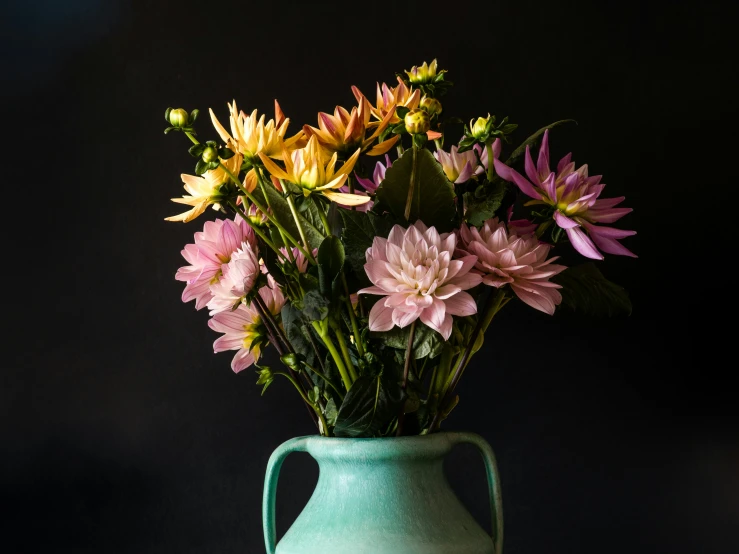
415	271
520	262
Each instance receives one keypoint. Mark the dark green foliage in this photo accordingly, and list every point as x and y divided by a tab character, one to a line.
586	290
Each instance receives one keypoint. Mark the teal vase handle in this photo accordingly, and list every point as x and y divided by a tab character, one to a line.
270	488
491	467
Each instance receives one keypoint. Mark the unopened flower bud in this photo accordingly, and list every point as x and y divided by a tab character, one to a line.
178	117
431	105
422	74
210	154
417	122
290	360
478	129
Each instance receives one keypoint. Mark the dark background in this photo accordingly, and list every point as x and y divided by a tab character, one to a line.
122	432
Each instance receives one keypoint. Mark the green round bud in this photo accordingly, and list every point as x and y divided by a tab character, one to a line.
290	360
431	105
478	129
178	117
417	122
210	154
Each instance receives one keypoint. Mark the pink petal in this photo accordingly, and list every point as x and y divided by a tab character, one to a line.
461	304
583	244
381	317
563	221
514	176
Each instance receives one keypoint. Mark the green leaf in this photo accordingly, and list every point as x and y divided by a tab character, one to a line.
225	153
201	167
330	261
586	290
401	111
193	116
426	341
481	207
433	197
369	405
360	229
283	214
533	139
315	305
331	413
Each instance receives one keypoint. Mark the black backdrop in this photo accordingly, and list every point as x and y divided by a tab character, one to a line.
122	432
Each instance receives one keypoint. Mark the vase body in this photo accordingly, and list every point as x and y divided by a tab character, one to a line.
383	496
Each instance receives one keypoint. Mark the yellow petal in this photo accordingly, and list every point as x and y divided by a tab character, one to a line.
379	149
346	199
273	168
335	184
225	137
250	181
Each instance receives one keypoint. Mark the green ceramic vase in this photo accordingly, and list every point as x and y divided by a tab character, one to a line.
383	496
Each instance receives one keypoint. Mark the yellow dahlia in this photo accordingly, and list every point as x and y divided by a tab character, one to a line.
389	98
305	168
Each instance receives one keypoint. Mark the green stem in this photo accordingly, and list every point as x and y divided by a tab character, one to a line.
328	381
256	228
345	352
192	138
265	211
345	377
352	317
316	409
412	185
489	312
260	178
491	169
406	371
324	220
308	252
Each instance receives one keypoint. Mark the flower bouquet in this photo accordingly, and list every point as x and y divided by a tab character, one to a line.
373	250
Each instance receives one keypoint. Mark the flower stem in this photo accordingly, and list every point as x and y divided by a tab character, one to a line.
491	308
491	167
352	317
345	377
328	381
323	426
192	138
256	228
265	211
406	371
308	252
345	352
412	185
261	179
324	220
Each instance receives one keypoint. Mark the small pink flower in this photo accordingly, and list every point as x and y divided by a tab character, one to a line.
378	176
212	249
413	268
300	260
243	326
520	262
460	167
239	276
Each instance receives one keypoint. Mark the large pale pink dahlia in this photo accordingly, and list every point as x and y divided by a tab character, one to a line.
415	270
212	249
237	280
574	195
520	262
242	327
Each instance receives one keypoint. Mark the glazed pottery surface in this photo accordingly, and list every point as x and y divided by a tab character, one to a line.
383	496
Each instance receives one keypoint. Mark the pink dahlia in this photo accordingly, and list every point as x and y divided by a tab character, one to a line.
518	261
460	167
237	280
242	327
415	270
574	195
212	249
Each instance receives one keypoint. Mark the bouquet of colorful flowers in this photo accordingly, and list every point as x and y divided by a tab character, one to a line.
376	286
